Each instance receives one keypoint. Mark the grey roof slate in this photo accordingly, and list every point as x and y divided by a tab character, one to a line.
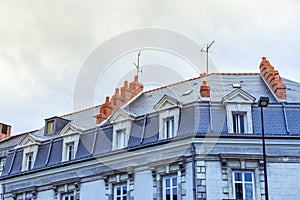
220	86
194	118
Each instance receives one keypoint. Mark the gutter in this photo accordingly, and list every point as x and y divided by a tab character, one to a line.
144	128
194	171
285	119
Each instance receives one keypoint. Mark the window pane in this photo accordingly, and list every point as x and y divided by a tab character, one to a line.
167	182
118	198
238	176
168	191
174	181
248	177
168	197
125	190
249	191
238	191
124	198
242	124
72	197
118	191
234	123
174	197
174	191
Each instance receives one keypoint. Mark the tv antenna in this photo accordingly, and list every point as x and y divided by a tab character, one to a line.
205	49
138	67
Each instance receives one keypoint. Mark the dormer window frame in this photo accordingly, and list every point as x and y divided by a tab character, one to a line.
238	103
169	128
168	108
121	121
71	137
29	159
50	125
30	145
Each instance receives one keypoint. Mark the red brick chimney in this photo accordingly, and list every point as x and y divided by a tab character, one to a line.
205	90
5	131
128	91
273	79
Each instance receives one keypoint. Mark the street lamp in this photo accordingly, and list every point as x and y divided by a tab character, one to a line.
263	102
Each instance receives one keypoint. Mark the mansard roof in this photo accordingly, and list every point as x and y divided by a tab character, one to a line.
280	119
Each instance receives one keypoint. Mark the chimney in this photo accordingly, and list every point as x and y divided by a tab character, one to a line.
205	90
273	79
5	131
128	91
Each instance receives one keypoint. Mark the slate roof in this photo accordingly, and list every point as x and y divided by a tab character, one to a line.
280	119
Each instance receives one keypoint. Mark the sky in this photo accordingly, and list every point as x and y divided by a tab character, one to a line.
45	44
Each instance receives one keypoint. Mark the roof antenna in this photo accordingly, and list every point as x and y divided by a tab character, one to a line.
138	67
205	49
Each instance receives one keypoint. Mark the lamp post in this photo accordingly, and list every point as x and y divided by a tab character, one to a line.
263	102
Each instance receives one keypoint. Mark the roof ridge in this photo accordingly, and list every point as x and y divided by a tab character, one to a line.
203	76
176	83
75	112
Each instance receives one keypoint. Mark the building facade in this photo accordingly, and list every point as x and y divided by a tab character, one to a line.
196	139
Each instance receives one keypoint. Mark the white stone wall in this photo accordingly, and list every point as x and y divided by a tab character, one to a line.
45	195
284	181
94	190
143	185
214	182
189	181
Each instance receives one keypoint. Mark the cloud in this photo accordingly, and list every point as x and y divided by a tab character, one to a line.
44	43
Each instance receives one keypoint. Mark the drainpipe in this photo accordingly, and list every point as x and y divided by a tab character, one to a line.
144	127
210	117
285	119
194	171
3	192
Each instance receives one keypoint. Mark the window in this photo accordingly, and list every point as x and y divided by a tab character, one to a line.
2	163
239	122
50	127
121	139
4	129
29	161
68	196
170	188
243	185
70	151
120	192
169	128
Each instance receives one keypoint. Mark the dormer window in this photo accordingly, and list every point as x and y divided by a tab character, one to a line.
70	135
70	151
121	139
169	131
239	122
29	161
30	146
50	127
239	111
54	125
121	121
168	110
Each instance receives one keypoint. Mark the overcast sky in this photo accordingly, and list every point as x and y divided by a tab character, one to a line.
43	44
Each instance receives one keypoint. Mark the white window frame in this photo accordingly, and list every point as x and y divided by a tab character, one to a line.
243	182
2	163
171	187
70	152
237	124
68	196
121	195
121	139
29	161
50	125
169	128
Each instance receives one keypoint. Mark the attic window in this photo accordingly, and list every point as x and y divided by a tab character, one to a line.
4	129
236	85
187	92
50	127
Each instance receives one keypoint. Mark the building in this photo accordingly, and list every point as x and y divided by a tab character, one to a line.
196	139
